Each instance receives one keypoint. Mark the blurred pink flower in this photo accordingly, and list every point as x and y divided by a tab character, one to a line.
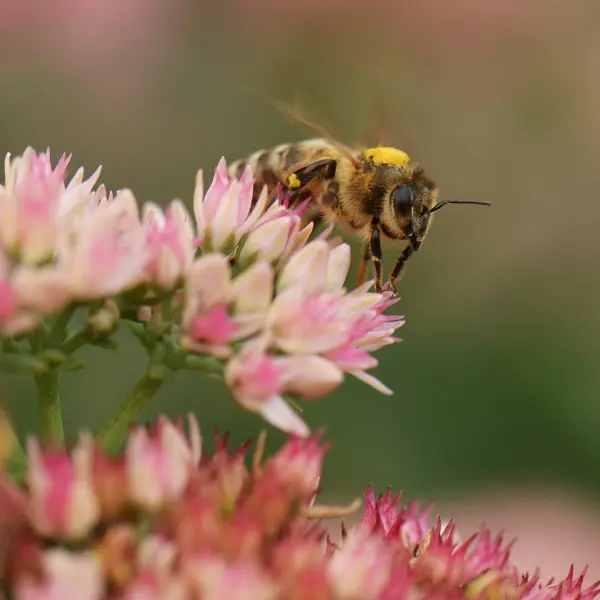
298	463
361	567
66	576
226	531
15	317
63	502
160	463
216	579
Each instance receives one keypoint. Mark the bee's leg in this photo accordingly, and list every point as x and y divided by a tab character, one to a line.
362	266
375	250
399	266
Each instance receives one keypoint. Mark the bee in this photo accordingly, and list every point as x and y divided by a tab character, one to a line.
376	192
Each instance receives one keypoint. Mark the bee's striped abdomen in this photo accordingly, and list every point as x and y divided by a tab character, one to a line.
272	166
268	168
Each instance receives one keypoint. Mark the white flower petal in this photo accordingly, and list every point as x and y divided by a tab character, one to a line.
280	414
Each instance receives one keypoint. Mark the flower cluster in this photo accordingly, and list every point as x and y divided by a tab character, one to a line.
163	520
240	284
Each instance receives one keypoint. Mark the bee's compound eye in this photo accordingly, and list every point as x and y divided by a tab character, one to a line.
402	198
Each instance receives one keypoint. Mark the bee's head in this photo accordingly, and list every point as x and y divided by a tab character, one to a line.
412	202
410	197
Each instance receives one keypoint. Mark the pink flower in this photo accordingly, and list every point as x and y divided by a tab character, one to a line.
487	554
208	292
361	568
382	515
252	296
299	562
225	213
298	464
221	530
308	324
309	376
62	499
225	475
34	203
268	241
214	327
147	586
275	236
159	463
110	480
155	578
219	310
441	558
571	588
14	317
108	252
170	241
66	576
313	314
307	269
41	290
257	381
29	205
215	579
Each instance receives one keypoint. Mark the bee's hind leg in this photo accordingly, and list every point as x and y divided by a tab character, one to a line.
375	251
362	265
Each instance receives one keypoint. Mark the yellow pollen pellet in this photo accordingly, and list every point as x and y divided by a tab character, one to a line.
387	156
293	181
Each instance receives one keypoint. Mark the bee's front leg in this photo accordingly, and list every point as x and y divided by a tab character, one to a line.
399	266
375	250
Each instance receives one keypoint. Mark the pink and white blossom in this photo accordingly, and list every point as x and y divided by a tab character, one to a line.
65	576
107	253
159	463
224	214
63	502
170	243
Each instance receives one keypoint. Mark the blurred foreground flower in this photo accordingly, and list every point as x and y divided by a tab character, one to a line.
237	291
164	520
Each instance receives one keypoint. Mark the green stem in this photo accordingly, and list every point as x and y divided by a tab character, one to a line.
74	342
115	431
17	463
49	409
12	451
57	333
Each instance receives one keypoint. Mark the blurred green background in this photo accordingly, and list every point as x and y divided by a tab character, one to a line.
496	382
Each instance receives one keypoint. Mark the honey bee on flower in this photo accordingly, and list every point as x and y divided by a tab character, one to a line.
375	192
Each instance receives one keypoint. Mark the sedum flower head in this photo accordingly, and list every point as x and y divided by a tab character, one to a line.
212	528
239	289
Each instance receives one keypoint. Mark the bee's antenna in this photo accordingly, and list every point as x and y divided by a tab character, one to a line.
444	202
